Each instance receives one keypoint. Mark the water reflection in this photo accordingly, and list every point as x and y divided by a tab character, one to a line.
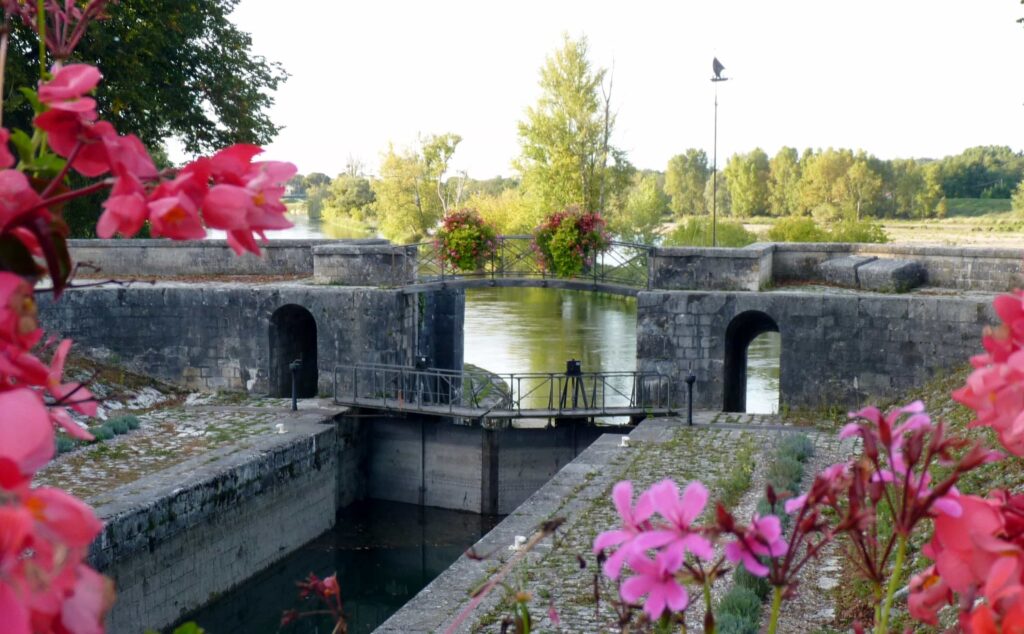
306	229
763	373
384	553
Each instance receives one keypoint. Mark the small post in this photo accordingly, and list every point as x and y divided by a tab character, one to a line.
690	380
295	366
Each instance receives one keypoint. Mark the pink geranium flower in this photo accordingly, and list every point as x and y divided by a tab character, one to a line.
26	435
656	579
634	521
762	539
680	513
67	90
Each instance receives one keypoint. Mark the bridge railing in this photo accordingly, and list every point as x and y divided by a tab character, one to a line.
623	263
542	394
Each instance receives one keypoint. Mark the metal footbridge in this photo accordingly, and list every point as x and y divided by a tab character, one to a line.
481	396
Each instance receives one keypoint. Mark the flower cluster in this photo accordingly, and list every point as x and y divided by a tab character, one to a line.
327	595
45	585
568	241
465	241
682	551
45	533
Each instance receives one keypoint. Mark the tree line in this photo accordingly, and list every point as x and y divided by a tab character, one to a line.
568	156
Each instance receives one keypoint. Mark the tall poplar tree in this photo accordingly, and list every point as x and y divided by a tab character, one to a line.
567	156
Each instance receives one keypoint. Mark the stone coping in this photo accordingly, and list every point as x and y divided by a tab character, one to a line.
382	248
747	252
211	244
160	505
894	249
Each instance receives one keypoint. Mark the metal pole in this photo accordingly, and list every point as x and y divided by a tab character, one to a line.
294	366
714	180
690	380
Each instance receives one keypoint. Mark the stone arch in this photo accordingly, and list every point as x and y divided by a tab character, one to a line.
293	336
741	331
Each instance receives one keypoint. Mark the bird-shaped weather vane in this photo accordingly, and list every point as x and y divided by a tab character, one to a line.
718	68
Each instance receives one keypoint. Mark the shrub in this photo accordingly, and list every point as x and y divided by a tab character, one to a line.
732	624
102	433
65	444
133	421
796	229
797	446
119	426
696	232
757	585
857	231
785	474
743	603
465	241
568	241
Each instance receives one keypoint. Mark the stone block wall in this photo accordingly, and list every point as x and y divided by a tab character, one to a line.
175	539
155	257
216	336
692	268
838	348
363	264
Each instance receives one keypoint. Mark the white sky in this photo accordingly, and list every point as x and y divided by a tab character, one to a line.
898	78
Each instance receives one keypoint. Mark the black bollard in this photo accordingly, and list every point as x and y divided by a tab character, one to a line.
295	366
690	380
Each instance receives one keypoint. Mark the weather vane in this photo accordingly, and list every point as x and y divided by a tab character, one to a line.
718	68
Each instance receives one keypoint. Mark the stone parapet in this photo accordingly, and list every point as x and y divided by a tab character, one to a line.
694	268
363	264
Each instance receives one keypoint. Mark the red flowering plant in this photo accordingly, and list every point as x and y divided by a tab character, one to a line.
465	242
568	241
45	585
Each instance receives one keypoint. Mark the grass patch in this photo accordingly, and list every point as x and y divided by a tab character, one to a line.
735	483
976	207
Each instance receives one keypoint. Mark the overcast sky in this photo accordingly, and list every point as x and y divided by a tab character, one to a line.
897	78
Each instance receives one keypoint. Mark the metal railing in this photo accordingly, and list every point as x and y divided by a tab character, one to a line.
622	263
533	394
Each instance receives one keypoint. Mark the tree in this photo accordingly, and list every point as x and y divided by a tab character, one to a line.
566	153
317	179
1018	198
437	152
746	176
641	215
350	197
170	69
684	181
410	192
821	174
784	183
858	189
724	203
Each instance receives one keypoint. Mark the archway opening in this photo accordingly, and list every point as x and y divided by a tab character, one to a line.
293	338
752	331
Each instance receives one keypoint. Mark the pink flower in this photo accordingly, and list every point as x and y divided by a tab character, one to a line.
6	158
656	579
175	216
762	539
82	399
69	85
125	211
679	512
26	436
928	594
634	521
18	200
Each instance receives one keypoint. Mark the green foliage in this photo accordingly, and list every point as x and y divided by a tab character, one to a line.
729	623
796	446
982	172
684	182
974	207
757	585
465	241
796	229
784	183
857	231
569	240
184	628
508	211
641	215
132	421
170	69
746	176
1018	198
65	443
785	473
118	426
410	193
566	156
697	232
741	602
738	479
102	433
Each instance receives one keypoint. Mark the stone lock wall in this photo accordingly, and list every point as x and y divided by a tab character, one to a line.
363	264
838	348
692	268
216	336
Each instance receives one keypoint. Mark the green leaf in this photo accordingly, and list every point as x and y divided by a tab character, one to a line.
23	145
33	99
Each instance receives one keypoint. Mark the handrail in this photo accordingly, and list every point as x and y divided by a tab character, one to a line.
622	263
507	395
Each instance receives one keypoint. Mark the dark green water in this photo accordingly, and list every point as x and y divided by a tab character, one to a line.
384	553
516	330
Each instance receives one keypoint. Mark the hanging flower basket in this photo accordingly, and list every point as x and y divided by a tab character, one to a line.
569	241
465	241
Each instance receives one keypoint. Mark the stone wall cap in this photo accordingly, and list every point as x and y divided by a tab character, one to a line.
385	248
708	252
164	243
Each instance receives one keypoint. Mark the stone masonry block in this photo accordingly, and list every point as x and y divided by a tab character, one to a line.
843	271
890	276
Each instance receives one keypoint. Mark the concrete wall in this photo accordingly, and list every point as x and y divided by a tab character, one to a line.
466	468
363	264
121	258
216	336
838	348
175	539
